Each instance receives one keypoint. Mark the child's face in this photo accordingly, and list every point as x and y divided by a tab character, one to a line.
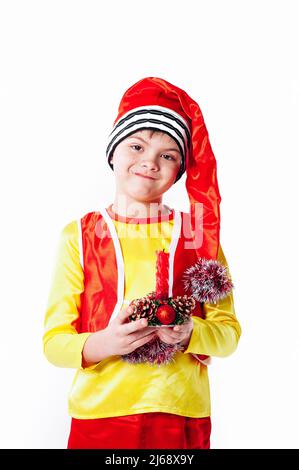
155	155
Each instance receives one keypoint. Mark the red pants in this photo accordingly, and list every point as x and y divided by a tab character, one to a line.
141	431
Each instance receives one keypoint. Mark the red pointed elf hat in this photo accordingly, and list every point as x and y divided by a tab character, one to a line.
154	103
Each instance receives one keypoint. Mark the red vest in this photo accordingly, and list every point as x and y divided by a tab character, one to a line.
102	262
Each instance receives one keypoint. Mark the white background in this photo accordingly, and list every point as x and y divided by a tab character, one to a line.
64	68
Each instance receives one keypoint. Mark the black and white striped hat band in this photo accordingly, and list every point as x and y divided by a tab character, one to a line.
152	117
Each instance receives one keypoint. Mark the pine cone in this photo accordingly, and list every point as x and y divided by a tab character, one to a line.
144	307
183	305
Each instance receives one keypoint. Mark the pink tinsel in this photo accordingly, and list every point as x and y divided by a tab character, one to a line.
208	281
154	352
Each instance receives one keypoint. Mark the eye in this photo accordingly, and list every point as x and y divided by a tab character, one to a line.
138	147
169	156
135	145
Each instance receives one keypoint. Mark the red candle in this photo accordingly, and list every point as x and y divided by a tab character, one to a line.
162	273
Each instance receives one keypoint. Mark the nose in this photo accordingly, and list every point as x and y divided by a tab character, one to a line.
149	161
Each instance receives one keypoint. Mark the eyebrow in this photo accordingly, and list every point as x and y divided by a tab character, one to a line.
140	138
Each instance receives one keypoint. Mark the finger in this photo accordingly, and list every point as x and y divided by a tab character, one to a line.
167	332
124	314
140	334
142	341
133	326
183	326
166	340
169	337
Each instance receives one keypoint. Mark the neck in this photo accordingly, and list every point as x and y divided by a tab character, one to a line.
140	209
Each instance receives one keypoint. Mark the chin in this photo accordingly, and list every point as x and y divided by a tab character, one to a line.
140	191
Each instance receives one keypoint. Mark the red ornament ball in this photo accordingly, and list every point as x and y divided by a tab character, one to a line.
165	314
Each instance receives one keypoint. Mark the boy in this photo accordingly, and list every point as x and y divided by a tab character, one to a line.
108	258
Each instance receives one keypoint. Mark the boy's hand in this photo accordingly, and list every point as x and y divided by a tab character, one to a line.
118	338
177	334
127	335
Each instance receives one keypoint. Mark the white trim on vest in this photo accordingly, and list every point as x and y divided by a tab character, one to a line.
80	242
176	231
119	261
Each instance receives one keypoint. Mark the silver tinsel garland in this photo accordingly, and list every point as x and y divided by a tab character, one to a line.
208	281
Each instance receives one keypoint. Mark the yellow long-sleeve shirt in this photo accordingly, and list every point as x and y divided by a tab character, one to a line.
114	387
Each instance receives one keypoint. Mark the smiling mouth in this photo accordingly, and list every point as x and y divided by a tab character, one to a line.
142	176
